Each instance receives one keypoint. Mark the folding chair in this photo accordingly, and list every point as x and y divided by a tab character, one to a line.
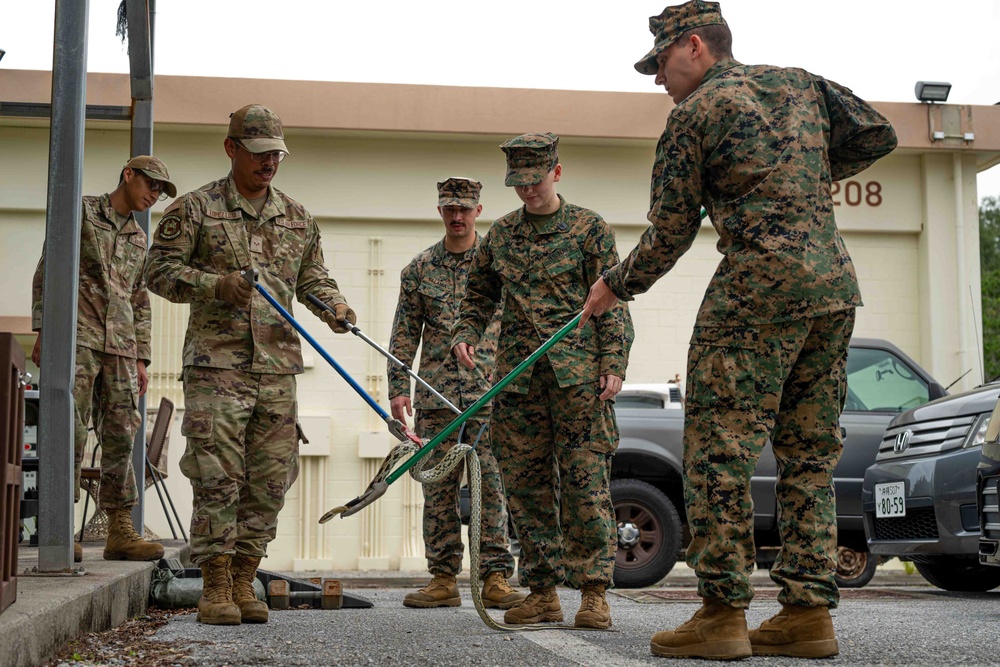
155	449
156	446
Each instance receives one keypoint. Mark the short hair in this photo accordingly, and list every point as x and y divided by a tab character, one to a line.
718	38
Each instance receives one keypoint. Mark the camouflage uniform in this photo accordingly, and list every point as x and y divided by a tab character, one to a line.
758	147
239	365
112	332
431	288
553	436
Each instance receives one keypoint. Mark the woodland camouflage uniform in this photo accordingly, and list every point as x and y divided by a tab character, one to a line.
551	417
758	147
432	286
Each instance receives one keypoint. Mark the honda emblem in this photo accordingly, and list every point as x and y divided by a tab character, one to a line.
902	441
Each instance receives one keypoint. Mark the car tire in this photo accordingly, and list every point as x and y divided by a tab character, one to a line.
854	568
649	533
959	575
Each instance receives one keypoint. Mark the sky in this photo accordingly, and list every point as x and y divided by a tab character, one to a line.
878	48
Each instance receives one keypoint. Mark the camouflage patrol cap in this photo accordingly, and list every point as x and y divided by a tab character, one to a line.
530	157
153	167
459	191
258	128
673	22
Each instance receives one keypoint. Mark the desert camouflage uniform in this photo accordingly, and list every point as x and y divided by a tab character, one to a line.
552	435
758	147
112	332
431	289
239	365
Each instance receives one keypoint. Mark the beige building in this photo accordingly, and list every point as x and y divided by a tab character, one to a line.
365	159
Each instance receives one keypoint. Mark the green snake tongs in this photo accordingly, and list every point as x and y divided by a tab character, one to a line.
379	485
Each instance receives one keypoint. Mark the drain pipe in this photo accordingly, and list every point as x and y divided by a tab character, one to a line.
960	269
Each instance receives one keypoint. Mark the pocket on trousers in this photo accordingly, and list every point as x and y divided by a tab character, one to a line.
603	427
200	462
723	368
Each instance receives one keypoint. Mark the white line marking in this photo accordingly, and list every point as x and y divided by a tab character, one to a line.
570	645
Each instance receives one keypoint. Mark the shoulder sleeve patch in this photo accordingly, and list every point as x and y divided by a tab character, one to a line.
169	228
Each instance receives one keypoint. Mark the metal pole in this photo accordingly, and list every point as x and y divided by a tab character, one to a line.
60	285
140	50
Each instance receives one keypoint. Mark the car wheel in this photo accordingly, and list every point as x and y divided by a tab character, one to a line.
955	574
649	533
854	568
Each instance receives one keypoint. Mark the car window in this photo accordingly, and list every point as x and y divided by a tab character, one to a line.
637	401
879	381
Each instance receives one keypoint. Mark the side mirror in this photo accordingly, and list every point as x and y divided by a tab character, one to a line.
935	390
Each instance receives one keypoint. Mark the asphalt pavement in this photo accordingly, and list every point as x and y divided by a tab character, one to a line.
897	620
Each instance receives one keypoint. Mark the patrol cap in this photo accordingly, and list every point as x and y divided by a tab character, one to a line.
258	128
459	191
153	167
673	22
530	157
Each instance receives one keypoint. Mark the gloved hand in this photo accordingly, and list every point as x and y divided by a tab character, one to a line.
234	289
336	319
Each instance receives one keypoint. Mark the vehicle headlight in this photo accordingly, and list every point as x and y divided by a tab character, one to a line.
977	434
993	430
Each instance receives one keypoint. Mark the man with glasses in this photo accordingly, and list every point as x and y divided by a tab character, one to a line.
240	356
112	343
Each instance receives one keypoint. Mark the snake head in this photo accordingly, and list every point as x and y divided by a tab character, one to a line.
403	433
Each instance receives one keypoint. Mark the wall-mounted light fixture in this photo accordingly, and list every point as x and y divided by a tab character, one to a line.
932	91
934	94
2	52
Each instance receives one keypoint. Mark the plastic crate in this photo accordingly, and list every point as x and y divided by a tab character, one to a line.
11	446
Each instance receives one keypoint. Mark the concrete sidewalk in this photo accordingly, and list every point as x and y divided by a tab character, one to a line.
53	609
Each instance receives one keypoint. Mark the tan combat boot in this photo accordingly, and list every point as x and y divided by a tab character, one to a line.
441	592
124	543
77	552
216	606
716	631
541	606
594	610
797	632
497	593
244	572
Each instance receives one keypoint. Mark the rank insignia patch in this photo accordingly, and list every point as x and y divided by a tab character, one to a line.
169	229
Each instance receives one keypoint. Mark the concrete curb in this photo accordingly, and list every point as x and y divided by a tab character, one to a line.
51	610
680	577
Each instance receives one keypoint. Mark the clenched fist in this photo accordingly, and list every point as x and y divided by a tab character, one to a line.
234	289
335	320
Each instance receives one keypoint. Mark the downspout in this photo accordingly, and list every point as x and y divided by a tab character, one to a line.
960	270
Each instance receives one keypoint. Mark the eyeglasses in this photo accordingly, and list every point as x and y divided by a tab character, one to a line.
269	156
155	186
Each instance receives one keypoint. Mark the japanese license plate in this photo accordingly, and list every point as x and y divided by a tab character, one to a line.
890	500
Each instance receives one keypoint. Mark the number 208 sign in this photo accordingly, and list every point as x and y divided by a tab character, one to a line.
857	193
